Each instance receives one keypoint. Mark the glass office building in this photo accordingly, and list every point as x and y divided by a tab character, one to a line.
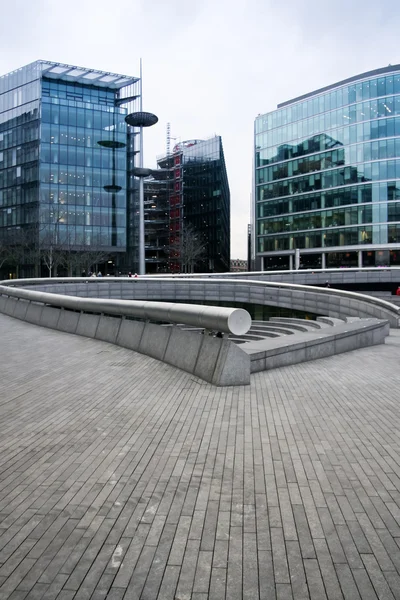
327	177
65	159
199	197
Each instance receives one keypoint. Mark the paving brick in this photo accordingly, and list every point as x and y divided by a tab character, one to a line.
377	547
169	583
303	532
328	572
314	580
235	564
347	583
163	487
296	571
377	577
266	576
364	585
393	580
281	571
188	570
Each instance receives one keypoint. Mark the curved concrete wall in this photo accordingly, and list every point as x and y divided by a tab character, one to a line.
367	275
320	301
215	360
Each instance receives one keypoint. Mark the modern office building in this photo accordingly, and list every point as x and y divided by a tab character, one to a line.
156	223
199	206
327	176
66	163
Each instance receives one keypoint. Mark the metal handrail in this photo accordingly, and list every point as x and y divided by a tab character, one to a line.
227	320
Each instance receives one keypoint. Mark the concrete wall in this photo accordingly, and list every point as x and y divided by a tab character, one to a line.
215	360
320	301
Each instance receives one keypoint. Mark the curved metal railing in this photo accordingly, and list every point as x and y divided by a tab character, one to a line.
227	320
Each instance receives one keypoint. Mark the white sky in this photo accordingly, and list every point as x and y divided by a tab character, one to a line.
209	67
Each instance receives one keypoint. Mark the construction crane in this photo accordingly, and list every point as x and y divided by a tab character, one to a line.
168	139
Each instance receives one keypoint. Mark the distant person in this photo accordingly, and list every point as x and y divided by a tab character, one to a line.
83	273
327	284
398	291
136	275
129	274
99	274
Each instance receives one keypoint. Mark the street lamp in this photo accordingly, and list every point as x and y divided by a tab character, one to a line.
141	119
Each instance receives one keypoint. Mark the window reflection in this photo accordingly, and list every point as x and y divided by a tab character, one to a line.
328	168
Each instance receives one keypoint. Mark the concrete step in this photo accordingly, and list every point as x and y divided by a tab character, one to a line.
330	321
289	320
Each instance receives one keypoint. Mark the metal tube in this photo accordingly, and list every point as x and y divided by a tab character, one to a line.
227	320
142	265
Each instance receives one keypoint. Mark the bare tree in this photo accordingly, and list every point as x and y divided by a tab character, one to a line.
18	246
4	253
85	258
53	248
188	249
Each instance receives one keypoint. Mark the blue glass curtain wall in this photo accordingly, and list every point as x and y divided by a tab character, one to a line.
328	169
83	181
355	93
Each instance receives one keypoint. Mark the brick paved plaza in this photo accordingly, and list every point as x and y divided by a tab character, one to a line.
124	478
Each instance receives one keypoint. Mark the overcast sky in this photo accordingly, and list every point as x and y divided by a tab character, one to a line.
209	67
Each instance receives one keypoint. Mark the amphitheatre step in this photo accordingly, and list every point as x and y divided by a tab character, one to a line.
306	322
331	320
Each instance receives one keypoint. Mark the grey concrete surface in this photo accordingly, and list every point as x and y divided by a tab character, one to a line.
124	478
130	334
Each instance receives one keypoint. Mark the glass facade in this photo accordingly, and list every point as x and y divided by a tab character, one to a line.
327	176
200	197
19	154
64	160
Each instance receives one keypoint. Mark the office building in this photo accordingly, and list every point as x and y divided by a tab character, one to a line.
198	206
66	162
156	223
327	176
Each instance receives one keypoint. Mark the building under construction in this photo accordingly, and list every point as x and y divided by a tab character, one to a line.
156	222
188	198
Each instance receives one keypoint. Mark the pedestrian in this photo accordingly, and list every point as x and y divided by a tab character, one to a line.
327	284
83	273
129	274
99	274
136	275
398	291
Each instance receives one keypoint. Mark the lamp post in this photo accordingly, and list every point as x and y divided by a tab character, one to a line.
141	119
